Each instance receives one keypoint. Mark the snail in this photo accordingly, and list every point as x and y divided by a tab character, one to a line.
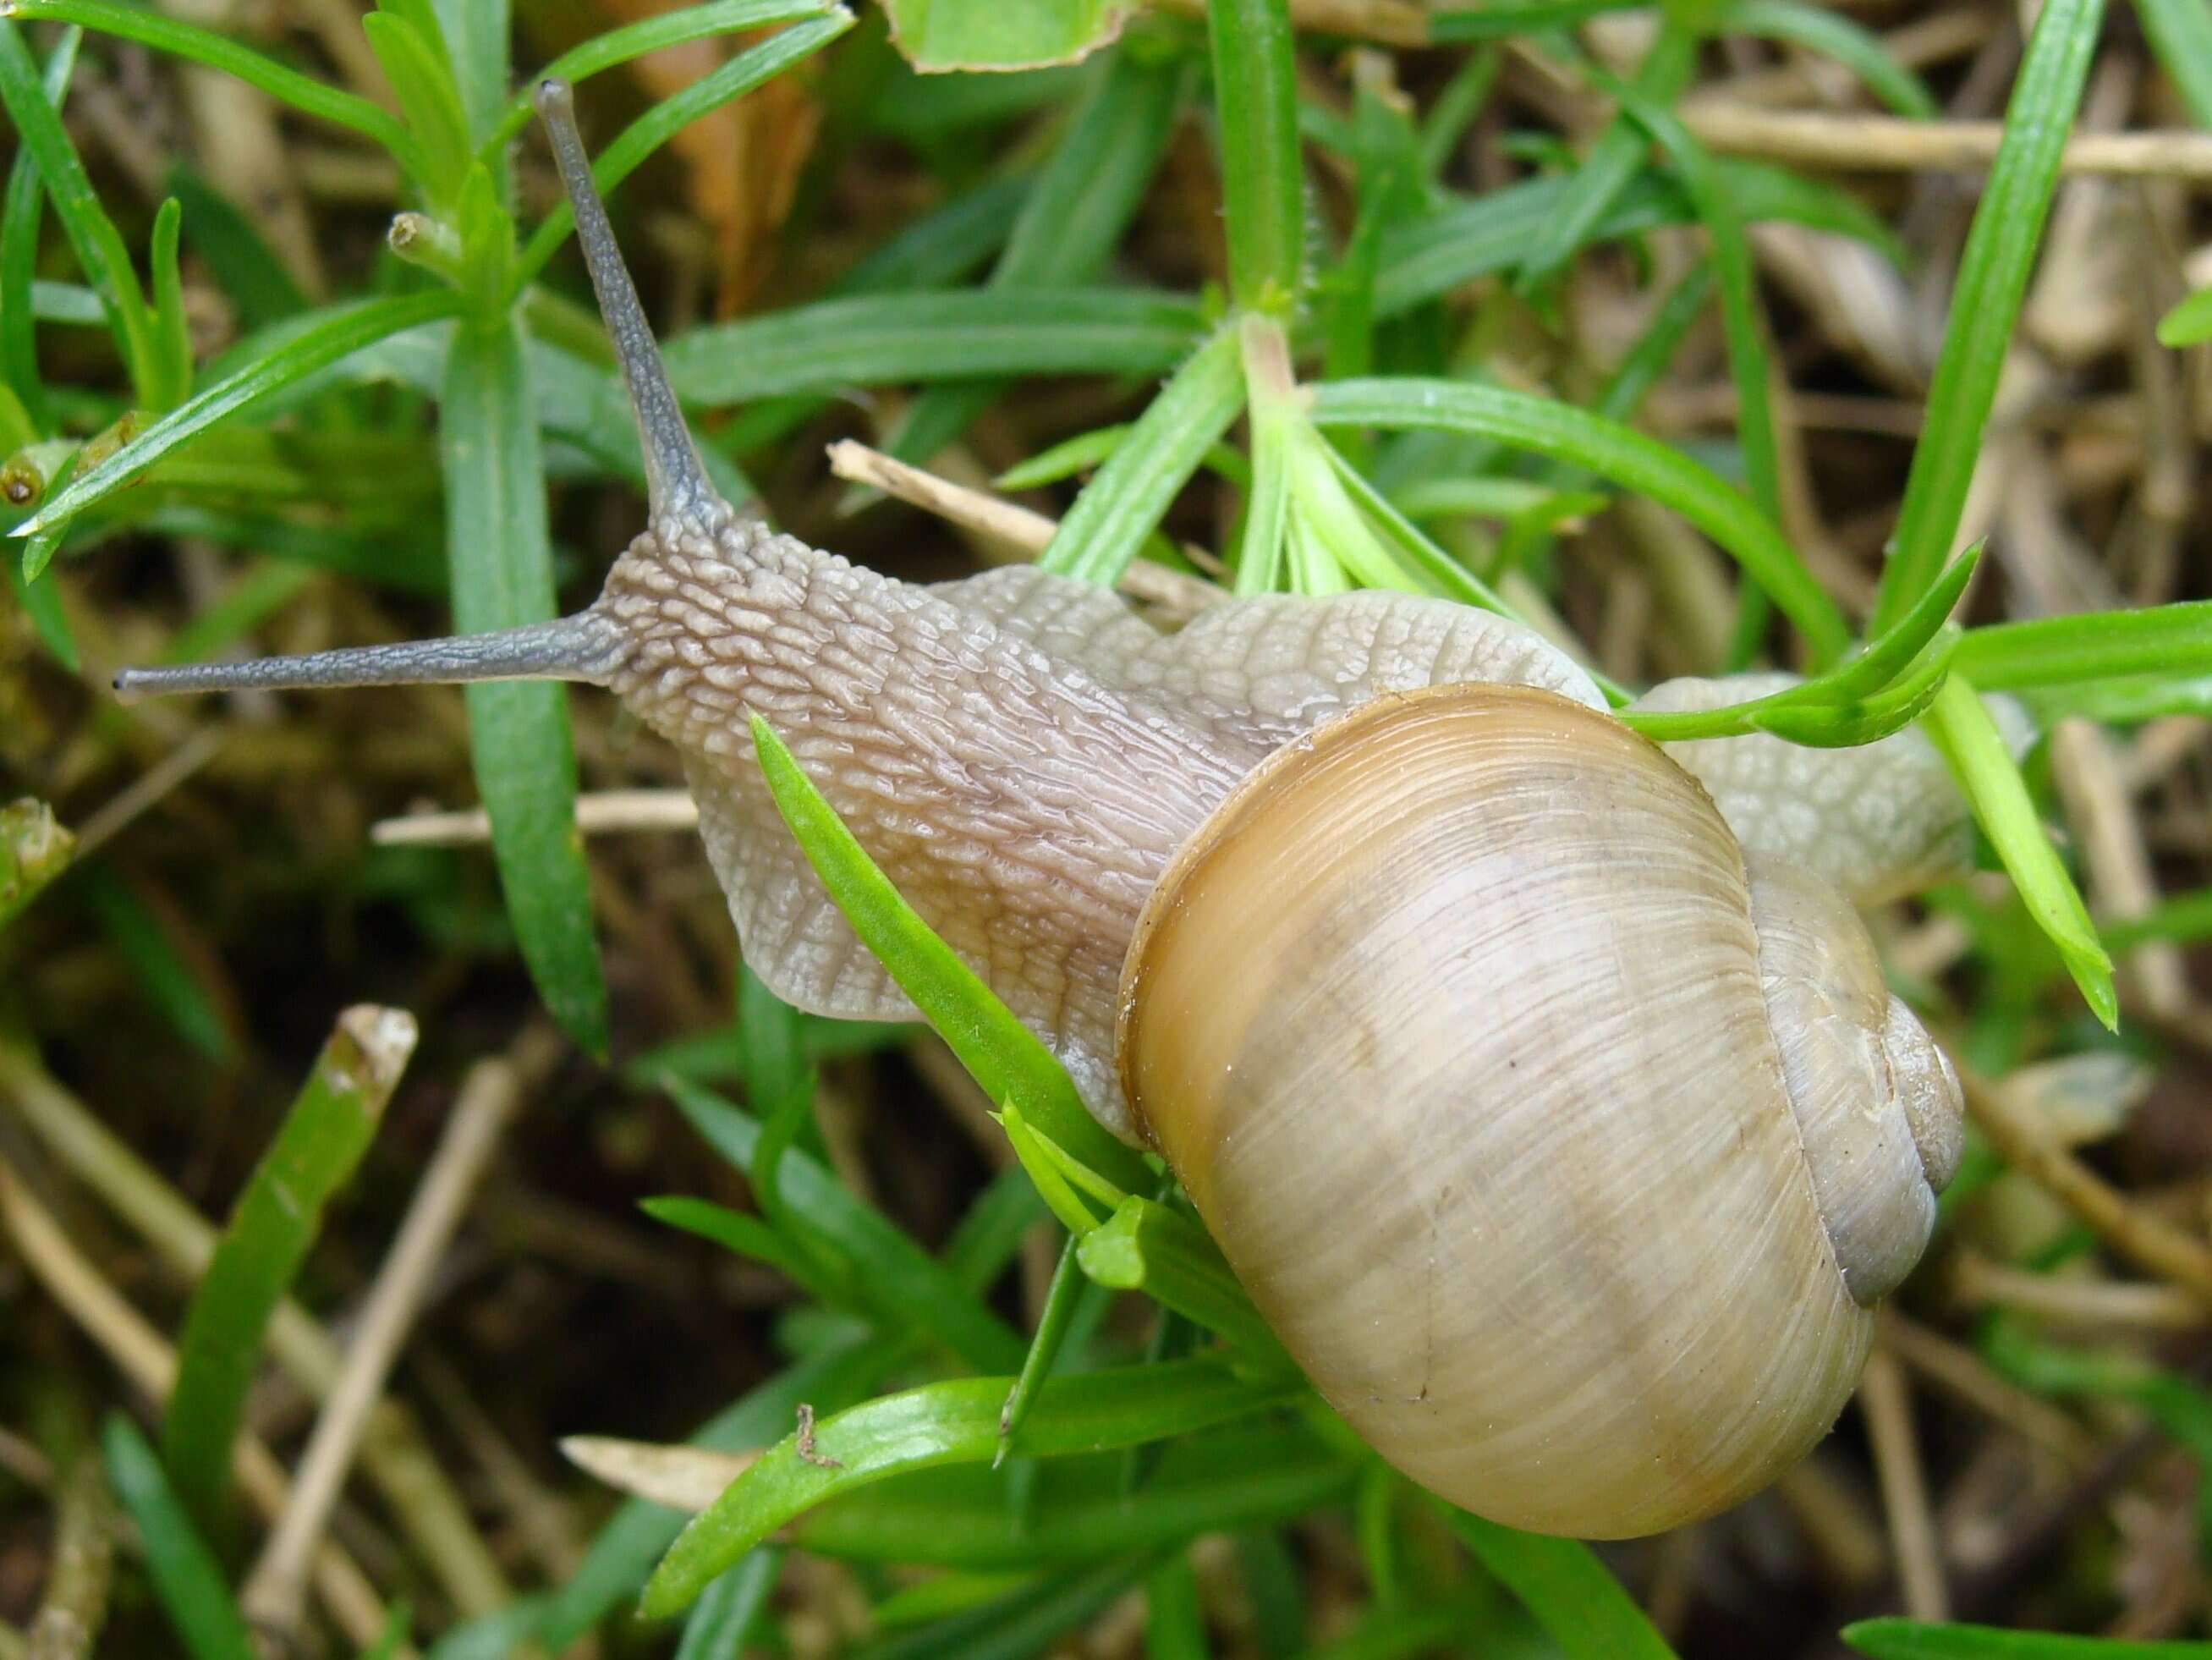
1567	1136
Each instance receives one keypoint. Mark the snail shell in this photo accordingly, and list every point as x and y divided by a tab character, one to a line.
1458	1022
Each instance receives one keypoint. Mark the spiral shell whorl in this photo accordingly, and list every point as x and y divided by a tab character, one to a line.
1875	1101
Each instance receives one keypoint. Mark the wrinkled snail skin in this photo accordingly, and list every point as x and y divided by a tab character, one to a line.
1455	1023
1565	1147
1878	821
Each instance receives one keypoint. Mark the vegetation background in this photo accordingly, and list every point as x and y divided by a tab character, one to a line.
1704	335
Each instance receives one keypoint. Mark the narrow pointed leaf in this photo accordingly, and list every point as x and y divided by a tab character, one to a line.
262	1247
188	1581
1124	503
948	1423
525	763
1005	1056
338	334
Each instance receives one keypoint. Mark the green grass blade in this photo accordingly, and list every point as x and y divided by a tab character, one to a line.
1397	1633
170	344
942	248
422	78
878	339
1259	555
1913	1639
1749	366
1005	1057
1425	259
245	267
939	1597
1580	1606
2053	651
728	1608
1074	1193
1262	187
187	1580
1613	161
760	1241
41	602
1062	1298
1023	1623
1390	169
2180	35
34	848
1501	19
1760	191
1994	271
1124	500
1832	34
334	334
948	1423
1082	1509
1442	574
2189	324
634	41
748	69
778	1083
1874	668
1645	363
476	35
622	1554
67	302
1993	274
1613	450
179	39
1455	108
717	1056
525	763
912	1291
1175	1621
1275	1585
1079	208
19	253
92	234
1428	257
275	1221
925	109
169	981
1962	729
1144	1246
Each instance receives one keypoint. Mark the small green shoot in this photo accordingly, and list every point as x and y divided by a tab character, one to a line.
950	1422
271	1227
187	1579
34	848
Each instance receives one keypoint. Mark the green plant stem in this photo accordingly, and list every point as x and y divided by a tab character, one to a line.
1263	192
34	848
274	1223
2056	651
1993	274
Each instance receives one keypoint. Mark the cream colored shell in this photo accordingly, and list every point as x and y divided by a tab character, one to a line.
1567	1269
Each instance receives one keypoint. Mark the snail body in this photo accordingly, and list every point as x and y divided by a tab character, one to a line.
1566	1148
